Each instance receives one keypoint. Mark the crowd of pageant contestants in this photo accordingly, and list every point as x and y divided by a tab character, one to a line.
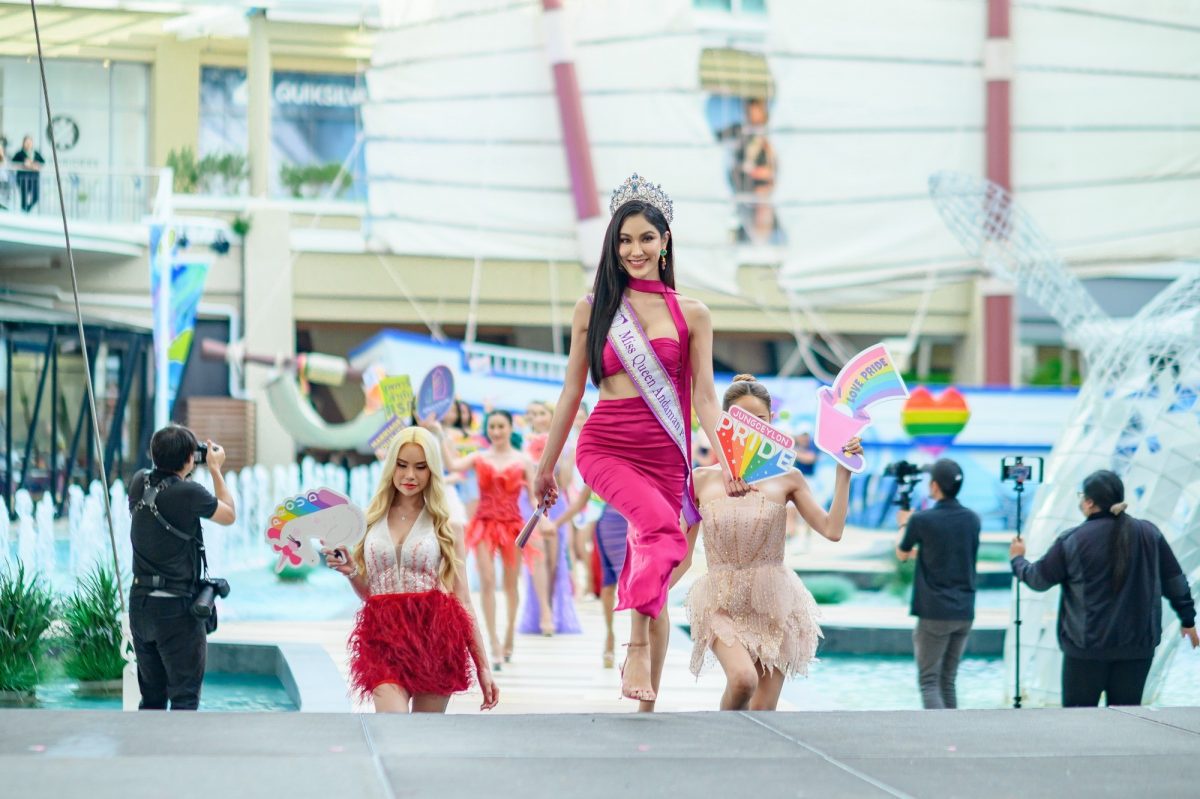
462	486
625	502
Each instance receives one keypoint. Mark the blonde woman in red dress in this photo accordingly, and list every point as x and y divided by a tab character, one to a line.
415	642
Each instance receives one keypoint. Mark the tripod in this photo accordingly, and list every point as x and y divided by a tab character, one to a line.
1020	489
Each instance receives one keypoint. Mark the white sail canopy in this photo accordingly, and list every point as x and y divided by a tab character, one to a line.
466	158
874	97
464	143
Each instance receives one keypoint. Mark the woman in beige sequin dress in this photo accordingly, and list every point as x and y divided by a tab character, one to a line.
750	611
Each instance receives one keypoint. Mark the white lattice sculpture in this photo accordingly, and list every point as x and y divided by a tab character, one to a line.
1137	413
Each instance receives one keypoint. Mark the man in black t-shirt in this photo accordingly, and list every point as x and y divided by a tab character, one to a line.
943	600
170	642
29	177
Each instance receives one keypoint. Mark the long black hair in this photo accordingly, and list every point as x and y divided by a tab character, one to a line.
1105	489
611	279
514	438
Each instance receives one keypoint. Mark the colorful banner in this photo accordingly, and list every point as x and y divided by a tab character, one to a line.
755	450
174	305
397	395
323	514
870	377
384	435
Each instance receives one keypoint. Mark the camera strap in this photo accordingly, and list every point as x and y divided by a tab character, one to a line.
149	501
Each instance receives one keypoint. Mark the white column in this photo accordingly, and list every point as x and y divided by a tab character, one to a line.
270	325
258	103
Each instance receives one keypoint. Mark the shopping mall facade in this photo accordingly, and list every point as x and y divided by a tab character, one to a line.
208	115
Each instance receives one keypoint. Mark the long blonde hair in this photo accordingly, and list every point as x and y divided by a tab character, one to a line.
436	504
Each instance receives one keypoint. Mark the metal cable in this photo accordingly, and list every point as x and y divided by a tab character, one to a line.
87	366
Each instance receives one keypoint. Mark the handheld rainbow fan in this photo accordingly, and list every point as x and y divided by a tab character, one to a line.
755	450
867	379
323	514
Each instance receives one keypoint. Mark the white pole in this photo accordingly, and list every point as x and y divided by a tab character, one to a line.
162	328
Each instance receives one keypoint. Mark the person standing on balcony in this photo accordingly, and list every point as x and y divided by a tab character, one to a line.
29	178
5	175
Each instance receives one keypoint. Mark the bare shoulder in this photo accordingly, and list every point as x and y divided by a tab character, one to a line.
583	308
694	309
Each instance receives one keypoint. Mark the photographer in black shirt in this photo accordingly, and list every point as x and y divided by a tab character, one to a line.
947	541
1115	571
168	638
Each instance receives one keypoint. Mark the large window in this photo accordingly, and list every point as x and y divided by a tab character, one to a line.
100	112
316	122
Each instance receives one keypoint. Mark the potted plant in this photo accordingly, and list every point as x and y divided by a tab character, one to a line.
92	620
185	170
26	610
310	181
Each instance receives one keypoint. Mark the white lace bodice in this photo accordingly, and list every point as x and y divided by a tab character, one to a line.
408	569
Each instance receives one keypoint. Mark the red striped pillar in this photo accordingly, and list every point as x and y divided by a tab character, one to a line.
574	131
998	322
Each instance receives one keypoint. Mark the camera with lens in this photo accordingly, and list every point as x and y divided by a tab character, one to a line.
201	453
907	475
205	602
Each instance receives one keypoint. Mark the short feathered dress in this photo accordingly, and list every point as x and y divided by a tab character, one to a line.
749	597
410	631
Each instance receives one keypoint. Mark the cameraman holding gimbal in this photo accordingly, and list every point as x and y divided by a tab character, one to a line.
947	541
171	598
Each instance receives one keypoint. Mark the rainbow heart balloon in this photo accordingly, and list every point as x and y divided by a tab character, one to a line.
933	422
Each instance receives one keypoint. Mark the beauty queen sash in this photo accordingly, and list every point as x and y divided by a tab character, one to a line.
654	383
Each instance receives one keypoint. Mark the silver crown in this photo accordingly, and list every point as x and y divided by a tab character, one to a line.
636	187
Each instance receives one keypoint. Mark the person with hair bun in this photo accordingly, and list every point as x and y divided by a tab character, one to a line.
750	612
1115	571
415	641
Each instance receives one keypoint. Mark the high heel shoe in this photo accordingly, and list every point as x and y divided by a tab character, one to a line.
640	694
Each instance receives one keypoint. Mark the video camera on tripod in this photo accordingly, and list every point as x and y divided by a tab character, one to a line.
907	476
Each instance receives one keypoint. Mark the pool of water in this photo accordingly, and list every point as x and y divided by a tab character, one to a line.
240	693
880	682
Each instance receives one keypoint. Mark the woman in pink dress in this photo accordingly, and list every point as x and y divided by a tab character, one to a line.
649	350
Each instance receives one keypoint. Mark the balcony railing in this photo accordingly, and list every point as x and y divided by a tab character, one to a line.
119	197
491	359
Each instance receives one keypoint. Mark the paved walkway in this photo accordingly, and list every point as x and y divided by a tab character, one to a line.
977	754
562	674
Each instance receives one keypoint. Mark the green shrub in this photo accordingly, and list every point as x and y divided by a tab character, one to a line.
315	177
26	610
186	170
92	616
830	589
221	172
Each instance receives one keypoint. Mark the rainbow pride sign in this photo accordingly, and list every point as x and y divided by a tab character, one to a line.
754	450
867	379
322	513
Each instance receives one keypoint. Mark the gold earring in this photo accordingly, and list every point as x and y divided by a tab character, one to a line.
662	260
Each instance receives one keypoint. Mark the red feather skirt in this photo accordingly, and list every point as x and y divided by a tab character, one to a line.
421	642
